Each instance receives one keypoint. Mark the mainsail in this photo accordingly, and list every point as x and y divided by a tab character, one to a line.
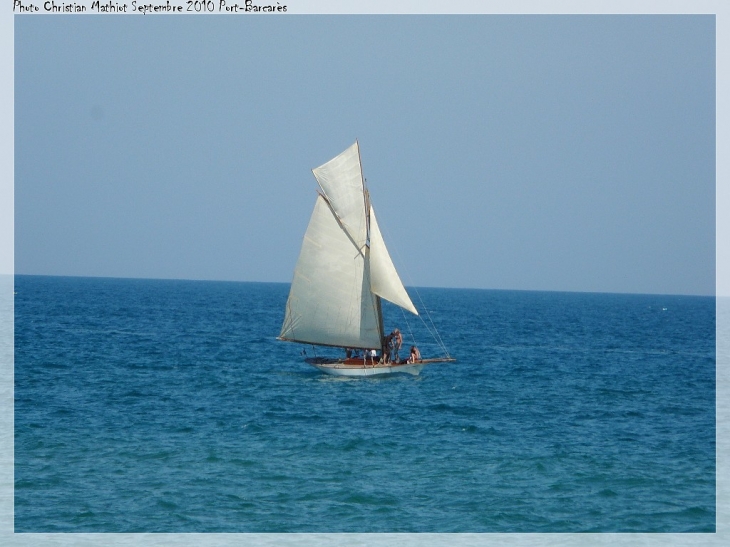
343	266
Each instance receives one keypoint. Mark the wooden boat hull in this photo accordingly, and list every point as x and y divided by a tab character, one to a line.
365	368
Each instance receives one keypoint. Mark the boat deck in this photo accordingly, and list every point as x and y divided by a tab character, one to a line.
373	362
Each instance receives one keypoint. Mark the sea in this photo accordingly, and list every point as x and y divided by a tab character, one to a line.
170	406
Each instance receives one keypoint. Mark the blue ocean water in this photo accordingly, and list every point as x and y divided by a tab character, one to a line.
169	406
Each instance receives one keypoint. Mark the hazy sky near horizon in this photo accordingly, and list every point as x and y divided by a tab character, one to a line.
504	152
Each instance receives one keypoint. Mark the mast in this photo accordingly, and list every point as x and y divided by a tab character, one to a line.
365	197
366	203
379	313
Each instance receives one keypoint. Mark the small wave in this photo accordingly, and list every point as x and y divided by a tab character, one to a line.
243	463
369	499
56	365
23	484
164	504
352	444
696	512
160	455
439	407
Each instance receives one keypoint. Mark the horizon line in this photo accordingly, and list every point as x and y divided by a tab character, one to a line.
701	295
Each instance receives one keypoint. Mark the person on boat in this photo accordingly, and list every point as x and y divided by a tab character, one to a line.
348	353
387	347
397	343
371	353
415	355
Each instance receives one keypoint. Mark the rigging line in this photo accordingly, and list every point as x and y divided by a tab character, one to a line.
408	324
432	330
436	334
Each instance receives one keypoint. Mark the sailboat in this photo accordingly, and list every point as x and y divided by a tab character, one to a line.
343	272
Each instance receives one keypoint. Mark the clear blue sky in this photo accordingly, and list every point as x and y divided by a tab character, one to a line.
505	152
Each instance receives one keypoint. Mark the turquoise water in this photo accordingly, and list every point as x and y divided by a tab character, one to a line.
168	406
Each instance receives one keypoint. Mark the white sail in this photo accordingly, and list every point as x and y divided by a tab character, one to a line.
330	302
341	182
384	279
